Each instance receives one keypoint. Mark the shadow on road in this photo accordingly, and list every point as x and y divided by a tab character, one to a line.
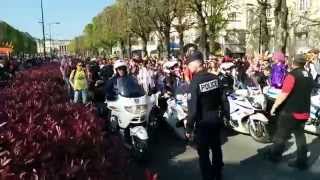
314	148
172	159
256	167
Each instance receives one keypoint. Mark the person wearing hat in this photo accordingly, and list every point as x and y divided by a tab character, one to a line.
293	103
79	82
121	70
204	117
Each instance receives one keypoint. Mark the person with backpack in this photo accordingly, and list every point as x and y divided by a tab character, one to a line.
79	82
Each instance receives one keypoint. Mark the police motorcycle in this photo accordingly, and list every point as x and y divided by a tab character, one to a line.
129	115
313	124
176	112
248	111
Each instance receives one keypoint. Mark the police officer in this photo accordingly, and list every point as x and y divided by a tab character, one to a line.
204	117
294	106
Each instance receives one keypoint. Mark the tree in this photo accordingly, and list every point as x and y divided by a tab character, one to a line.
263	21
115	24
22	42
259	36
183	20
139	21
162	15
198	7
212	19
106	30
281	25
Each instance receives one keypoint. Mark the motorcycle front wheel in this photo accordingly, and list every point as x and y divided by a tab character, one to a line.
258	130
139	149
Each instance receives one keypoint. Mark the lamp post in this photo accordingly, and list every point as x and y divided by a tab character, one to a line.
50	33
43	34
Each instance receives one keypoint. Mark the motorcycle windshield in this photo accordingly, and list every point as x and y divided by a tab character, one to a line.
182	88
129	87
251	83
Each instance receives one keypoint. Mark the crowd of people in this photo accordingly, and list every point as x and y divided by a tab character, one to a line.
86	75
9	65
96	79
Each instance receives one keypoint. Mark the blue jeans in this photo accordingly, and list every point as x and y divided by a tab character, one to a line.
84	94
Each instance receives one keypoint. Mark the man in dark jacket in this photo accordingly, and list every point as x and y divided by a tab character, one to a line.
294	106
204	115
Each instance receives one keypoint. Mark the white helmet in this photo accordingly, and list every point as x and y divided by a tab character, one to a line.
226	66
168	65
120	63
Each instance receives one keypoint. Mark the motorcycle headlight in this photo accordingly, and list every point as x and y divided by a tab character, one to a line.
185	109
138	109
257	105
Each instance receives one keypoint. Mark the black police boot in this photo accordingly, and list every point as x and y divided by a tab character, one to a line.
268	155
218	176
298	165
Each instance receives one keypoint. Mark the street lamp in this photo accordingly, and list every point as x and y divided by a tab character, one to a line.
50	24
43	35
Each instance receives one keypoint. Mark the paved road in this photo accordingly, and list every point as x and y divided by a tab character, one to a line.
173	160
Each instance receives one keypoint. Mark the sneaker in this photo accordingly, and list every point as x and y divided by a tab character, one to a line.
298	165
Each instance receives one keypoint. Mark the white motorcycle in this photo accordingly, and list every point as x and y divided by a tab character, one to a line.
247	112
177	113
313	124
129	113
177	110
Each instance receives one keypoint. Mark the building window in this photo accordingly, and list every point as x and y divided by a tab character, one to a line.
304	4
269	12
232	16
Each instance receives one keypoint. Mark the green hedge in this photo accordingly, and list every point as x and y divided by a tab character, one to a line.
22	42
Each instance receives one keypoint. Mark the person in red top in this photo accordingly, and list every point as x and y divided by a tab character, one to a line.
293	103
187	74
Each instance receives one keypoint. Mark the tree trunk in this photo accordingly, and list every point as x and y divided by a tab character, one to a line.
129	46
122	49
181	41
281	25
203	38
167	43
144	46
264	37
160	48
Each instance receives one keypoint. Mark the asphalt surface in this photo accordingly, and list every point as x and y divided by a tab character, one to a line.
173	159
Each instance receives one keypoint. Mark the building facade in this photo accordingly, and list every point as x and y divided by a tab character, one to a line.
242	34
57	47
